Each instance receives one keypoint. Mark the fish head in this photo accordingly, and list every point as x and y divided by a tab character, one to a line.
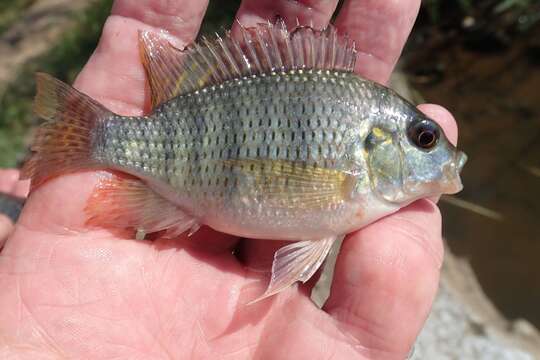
412	159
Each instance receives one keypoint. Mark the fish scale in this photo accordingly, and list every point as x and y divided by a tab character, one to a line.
186	140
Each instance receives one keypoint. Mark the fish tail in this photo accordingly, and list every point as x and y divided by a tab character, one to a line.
64	142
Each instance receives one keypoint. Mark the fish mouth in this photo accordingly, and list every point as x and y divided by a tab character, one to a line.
448	182
460	160
452	173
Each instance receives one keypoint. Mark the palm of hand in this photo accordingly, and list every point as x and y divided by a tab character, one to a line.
70	292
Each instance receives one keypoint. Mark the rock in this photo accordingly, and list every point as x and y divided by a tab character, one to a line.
465	325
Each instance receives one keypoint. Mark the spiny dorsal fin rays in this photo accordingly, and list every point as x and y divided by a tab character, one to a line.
160	60
250	52
265	48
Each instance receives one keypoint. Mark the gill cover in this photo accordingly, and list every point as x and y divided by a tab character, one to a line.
385	164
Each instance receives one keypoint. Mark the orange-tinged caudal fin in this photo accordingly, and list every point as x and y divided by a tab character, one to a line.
122	201
63	142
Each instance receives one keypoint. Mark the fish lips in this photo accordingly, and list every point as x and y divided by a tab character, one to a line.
449	183
452	183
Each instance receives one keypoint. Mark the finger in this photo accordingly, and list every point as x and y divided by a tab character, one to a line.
307	12
385	280
114	74
379	29
8	178
21	188
181	19
6	227
10	183
444	118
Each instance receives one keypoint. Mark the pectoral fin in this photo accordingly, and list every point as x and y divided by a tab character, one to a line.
293	184
296	262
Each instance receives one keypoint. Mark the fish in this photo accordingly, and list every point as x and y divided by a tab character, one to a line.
11	206
269	134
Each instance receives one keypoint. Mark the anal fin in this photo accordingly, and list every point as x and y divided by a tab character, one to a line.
125	202
296	262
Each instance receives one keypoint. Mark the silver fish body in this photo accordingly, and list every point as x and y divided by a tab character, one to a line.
316	117
273	137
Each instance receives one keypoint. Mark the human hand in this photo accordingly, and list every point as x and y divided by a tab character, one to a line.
71	292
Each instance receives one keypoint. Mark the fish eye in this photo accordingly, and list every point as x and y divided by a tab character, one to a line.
424	134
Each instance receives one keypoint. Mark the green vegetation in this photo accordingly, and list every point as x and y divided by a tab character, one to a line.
63	61
10	10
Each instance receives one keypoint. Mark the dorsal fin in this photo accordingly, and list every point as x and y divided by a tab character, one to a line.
261	49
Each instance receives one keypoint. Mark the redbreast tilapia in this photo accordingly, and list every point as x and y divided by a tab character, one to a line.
267	135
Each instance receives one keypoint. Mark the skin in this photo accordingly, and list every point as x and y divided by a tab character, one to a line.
70	292
9	184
